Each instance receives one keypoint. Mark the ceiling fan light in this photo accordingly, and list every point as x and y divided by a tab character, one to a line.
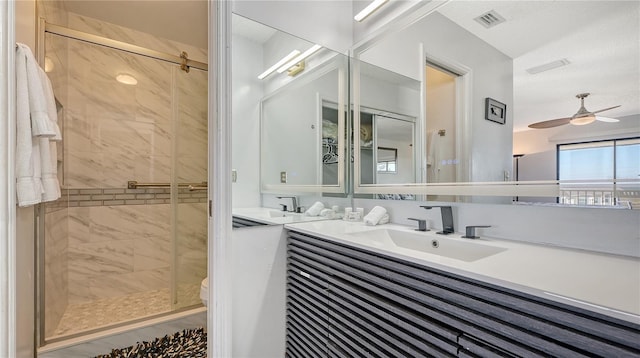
580	121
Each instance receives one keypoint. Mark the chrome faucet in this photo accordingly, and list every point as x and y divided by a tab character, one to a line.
470	231
447	218
294	203
422	224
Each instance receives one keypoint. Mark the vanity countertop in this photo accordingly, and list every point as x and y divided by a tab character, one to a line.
273	216
605	283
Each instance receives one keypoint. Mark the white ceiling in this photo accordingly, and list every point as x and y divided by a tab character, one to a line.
601	40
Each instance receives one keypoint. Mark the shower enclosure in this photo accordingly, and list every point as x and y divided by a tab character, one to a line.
127	240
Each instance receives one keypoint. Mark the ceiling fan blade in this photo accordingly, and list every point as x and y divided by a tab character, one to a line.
550	123
606	109
606	119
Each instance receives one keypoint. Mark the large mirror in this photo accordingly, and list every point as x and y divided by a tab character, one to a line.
288	129
486	71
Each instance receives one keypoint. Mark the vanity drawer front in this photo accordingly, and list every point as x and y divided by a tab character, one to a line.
522	324
397	330
472	347
306	308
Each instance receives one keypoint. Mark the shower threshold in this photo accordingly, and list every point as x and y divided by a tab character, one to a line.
90	344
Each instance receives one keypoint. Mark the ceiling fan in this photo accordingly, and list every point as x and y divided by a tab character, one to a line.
581	117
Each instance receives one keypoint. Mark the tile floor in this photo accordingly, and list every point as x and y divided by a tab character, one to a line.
106	312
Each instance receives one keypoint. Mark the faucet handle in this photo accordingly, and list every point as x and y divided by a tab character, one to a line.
470	231
284	207
422	224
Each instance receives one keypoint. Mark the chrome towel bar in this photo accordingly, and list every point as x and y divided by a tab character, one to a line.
133	184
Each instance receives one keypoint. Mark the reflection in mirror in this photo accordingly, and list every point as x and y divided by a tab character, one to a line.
389	109
302	140
288	135
537	74
330	158
387	160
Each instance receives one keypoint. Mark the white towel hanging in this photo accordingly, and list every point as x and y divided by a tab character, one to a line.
36	126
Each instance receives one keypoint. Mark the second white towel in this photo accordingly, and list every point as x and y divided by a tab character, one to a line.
315	209
375	216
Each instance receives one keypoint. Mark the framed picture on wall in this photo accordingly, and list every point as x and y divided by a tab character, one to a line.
495	111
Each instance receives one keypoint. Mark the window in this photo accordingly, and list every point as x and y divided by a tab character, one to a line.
605	168
628	159
387	160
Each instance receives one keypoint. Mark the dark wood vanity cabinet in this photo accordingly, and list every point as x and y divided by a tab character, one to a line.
344	301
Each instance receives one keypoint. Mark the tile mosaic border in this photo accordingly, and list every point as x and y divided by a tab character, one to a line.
117	196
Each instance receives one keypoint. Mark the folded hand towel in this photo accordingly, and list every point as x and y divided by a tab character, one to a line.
375	215
384	219
315	209
328	213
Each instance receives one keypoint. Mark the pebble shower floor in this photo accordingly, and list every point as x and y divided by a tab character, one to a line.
109	311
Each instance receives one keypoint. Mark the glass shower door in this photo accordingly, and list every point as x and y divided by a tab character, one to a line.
111	252
190	178
107	246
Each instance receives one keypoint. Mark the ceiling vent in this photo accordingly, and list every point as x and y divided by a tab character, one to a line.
548	66
490	19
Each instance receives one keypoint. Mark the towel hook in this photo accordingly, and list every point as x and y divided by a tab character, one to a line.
442	132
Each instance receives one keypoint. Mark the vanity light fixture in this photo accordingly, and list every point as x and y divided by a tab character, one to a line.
313	49
127	79
284	60
375	5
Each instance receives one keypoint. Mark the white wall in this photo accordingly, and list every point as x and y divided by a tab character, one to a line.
327	22
7	188
490	143
259	286
247	93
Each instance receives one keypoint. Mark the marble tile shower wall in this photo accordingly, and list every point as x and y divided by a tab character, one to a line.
119	240
107	260
134	256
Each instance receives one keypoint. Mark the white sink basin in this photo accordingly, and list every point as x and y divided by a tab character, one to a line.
283	214
443	246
